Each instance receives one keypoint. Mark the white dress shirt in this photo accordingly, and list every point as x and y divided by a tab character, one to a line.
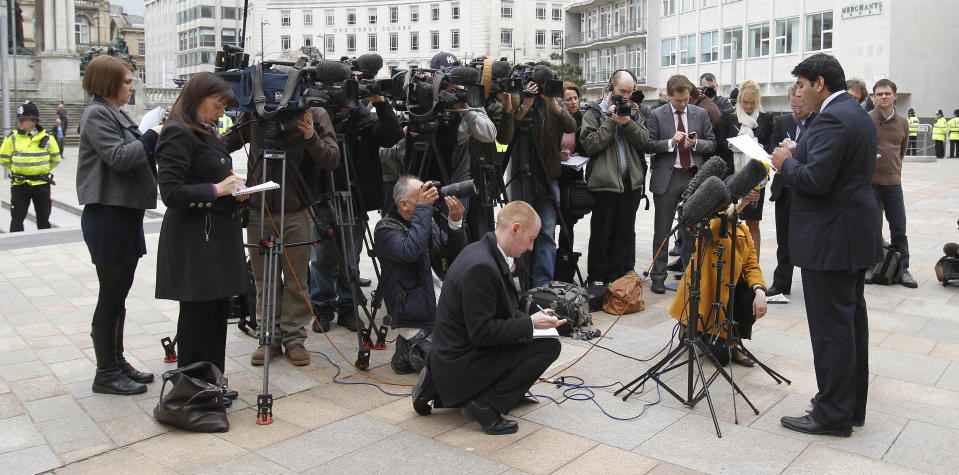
676	118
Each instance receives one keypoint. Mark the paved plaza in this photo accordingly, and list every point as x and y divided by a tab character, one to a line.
51	421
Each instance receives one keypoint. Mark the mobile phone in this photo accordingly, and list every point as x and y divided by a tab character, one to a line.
692	135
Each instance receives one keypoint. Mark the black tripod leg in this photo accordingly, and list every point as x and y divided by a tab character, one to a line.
709	399
771	372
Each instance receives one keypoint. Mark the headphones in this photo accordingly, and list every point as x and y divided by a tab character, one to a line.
609	85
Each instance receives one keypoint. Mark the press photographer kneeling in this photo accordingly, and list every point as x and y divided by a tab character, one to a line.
415	254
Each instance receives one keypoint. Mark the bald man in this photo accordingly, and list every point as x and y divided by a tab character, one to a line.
484	357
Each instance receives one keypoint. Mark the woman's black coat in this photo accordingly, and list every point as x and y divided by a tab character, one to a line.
200	254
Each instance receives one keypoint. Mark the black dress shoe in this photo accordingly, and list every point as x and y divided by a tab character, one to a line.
423	393
856	421
364	282
675	266
807	425
133	373
489	419
115	382
658	286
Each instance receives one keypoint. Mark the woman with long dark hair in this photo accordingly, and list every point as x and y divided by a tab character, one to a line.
116	182
200	260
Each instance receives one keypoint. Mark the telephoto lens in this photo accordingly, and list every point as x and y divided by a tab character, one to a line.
463	189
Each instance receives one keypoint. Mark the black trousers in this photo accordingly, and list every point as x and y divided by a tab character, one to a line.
953	148
529	362
839	330
940	148
20	198
666	204
783	275
911	148
611	234
115	282
201	332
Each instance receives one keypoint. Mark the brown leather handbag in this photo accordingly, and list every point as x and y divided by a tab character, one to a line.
195	400
624	295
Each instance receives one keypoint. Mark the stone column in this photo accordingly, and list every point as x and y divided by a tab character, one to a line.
71	26
49	27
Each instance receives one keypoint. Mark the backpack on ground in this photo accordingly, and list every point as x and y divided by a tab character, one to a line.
889	269
569	301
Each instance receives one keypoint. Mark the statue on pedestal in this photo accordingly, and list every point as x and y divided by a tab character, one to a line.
15	36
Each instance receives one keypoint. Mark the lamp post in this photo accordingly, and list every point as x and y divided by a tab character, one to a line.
262	46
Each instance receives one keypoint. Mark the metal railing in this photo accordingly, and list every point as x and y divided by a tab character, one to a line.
59	91
610	32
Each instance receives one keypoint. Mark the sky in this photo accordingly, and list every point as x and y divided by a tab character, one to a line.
131	7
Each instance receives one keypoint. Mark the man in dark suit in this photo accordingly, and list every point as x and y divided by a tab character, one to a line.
484	357
678	154
834	236
790	127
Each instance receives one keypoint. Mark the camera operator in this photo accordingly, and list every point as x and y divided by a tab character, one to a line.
614	136
306	136
549	122
415	254
365	133
725	104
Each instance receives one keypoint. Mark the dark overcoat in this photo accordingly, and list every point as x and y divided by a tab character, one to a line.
479	328
200	255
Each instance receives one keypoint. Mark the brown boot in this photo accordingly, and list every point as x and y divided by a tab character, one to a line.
257	358
297	355
741	359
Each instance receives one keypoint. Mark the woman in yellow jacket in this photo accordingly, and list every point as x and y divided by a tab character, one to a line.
750	294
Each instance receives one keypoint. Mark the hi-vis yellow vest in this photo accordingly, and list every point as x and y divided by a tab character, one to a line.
913	126
954	128
26	155
224	123
939	129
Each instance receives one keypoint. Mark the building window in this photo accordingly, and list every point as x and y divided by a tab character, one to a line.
669	53
414	41
307	17
689	5
540	39
414	13
350	43
506	38
454	39
372	12
687	49
394	41
557	11
284	18
557	38
709	46
330	44
710	3
181	40
730	34
759	40
819	31
227	36
228	13
506	9
394	14
81	31
540	11
207	37
192	42
141	48
206	11
330	17
434	40
371	42
787	36
285	42
307	41
455	10
435	11
669	7
350	16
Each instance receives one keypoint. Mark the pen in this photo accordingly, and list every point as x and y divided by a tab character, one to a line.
735	127
548	312
788	136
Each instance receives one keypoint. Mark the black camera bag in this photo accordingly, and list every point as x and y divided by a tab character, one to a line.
568	301
889	269
576	199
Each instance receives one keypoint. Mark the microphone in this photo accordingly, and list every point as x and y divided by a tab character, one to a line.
464	75
746	179
541	74
715	166
332	71
711	197
951	250
501	69
370	64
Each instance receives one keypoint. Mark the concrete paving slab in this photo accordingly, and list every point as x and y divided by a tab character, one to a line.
178	451
75	432
29	460
818	459
926	447
540	452
19	432
117	461
53	408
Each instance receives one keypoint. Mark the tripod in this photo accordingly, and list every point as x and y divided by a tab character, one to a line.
692	345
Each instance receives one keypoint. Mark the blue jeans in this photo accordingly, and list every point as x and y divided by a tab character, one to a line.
329	286
889	198
544	249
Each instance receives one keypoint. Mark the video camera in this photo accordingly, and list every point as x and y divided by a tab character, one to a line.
424	92
368	65
543	76
495	77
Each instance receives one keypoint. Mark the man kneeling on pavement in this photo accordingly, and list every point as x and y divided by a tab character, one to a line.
415	254
484	358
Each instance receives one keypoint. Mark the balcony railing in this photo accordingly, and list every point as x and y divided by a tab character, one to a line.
598	77
611	32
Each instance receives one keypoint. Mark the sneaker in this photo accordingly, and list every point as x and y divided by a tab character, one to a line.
777	298
324	315
297	355
346	318
259	354
907	280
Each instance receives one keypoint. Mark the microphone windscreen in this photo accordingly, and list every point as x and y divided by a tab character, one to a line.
746	179
464	75
709	199
715	166
541	74
951	249
332	71
501	69
370	63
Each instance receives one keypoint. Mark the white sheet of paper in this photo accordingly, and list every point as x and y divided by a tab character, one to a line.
576	162
547	333
151	119
751	148
270	185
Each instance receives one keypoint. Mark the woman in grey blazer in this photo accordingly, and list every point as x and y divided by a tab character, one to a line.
116	182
